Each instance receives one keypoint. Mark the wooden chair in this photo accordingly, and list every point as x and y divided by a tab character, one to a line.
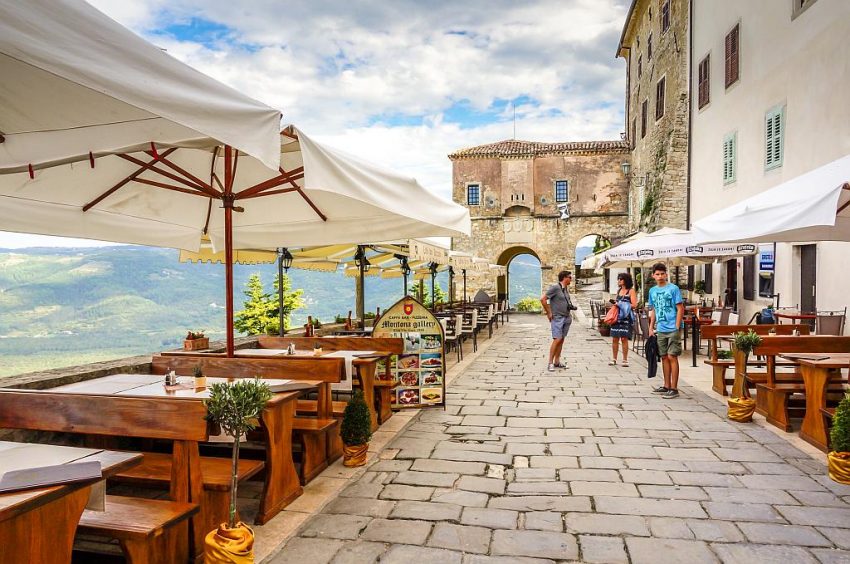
470	326
452	338
148	530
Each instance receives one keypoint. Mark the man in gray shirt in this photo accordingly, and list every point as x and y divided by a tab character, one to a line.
556	302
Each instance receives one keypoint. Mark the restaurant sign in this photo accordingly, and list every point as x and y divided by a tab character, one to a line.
420	369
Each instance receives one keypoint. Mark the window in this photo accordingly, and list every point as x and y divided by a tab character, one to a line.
730	154
774	132
708	277
732	56
561	191
643	108
640	66
704	82
660	88
473	194
649	47
665	16
800	6
633	136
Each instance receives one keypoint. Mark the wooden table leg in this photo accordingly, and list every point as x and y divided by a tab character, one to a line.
366	375
813	429
282	485
44	534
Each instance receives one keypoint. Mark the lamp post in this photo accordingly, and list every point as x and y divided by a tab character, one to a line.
363	265
464	286
433	268
451	286
284	262
405	270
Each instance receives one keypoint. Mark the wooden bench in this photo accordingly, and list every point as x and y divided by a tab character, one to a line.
774	393
320	442
131	522
713	333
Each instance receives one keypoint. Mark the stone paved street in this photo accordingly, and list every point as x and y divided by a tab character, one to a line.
584	464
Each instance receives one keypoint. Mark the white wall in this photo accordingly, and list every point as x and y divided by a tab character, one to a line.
802	63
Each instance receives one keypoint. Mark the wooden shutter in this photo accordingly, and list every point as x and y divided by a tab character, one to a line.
659	98
649	47
732	52
691	278
750	277
633	137
665	16
643	109
703	79
708	277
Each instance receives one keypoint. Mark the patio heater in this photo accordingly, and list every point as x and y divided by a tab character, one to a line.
433	268
363	265
284	262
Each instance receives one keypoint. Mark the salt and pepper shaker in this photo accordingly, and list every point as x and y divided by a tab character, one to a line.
290	349
171	378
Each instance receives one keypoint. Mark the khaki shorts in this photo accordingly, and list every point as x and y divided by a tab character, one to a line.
669	344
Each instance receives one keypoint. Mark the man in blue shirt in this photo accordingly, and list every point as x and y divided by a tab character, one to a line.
665	317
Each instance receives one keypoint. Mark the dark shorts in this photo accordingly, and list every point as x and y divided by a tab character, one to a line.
560	326
669	344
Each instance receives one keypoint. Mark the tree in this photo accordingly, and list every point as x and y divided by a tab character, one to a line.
441	296
600	244
261	308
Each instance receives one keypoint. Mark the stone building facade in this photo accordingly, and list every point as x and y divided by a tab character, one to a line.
654	44
539	199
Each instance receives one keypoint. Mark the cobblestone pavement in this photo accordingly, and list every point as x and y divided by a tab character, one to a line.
584	464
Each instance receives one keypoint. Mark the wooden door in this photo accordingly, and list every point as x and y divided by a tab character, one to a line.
808	278
731	292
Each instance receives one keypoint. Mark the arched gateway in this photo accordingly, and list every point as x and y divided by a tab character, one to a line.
539	199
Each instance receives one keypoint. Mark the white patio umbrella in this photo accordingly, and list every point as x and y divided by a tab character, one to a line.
814	206
676	247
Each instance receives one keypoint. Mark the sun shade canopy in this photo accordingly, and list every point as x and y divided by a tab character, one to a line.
675	247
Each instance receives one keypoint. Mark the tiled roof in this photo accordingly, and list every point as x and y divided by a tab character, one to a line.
514	148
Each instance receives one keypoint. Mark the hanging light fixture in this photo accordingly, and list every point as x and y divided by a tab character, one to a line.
360	259
405	267
285	258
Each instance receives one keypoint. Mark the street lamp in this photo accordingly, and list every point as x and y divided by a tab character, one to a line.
433	268
284	263
405	270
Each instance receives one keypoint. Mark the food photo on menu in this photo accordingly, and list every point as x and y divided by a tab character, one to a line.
408	362
432	395
408	397
431	343
431	378
412	342
409	379
431	360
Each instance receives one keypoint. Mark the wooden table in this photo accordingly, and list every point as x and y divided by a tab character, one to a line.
794	315
282	485
815	368
38	525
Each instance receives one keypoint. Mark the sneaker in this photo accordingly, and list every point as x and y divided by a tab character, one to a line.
671	394
550	368
660	390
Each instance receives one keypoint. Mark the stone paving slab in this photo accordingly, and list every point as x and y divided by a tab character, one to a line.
583	464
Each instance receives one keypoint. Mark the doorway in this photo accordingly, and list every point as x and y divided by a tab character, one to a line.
730	298
808	278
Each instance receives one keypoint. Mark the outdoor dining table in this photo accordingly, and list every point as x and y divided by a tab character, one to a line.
815	368
282	485
695	320
38	525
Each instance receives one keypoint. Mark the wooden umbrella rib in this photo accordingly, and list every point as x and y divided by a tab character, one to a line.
312	205
125	181
274	182
172	187
161	172
190	176
269	193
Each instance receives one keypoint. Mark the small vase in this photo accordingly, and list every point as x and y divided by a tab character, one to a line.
354	455
839	467
229	546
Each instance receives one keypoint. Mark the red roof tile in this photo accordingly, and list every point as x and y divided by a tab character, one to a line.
515	148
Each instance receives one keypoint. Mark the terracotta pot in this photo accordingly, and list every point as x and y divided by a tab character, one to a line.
839	467
354	455
741	409
605	330
196	344
229	546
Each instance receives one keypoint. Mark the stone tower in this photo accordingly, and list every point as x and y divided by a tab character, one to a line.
538	198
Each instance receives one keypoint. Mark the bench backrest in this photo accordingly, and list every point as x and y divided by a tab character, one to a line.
151	418
803	344
324	369
714	331
393	345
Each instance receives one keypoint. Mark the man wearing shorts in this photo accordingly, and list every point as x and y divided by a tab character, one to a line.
556	303
665	317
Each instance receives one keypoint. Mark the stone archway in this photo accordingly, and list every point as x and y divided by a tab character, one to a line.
505	259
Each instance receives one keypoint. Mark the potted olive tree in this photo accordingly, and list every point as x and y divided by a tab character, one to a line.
741	405
839	440
235	408
356	430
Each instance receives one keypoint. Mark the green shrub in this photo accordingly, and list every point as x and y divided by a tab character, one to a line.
724	354
529	304
356	422
747	341
839	435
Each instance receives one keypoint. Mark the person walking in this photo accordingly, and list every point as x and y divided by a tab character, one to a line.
665	318
558	307
621	331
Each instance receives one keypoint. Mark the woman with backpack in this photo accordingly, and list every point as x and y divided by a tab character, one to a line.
626	303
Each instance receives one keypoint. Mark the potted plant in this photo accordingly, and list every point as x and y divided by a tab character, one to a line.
356	430
604	329
195	341
741	405
839	440
200	379
235	408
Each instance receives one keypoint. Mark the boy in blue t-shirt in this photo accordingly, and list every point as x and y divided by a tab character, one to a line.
665	317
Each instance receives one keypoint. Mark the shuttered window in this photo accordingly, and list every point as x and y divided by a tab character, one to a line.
649	47
640	66
750	277
665	16
732	56
730	155
774	134
660	89
708	278
643	108
704	81
561	191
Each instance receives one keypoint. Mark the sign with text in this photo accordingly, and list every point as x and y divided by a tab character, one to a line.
419	370
766	257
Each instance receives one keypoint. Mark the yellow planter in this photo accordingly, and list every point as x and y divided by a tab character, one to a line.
839	467
354	455
741	409
229	546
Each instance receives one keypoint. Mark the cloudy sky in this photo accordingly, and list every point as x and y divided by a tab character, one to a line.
404	83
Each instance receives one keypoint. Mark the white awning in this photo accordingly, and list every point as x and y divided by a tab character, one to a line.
675	247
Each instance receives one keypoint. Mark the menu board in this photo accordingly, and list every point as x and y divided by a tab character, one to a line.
420	369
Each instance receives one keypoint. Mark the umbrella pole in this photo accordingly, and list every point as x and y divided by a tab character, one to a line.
464	285
433	294
361	297
280	293
405	284
227	201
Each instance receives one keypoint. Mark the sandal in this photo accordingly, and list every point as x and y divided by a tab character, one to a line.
625	363
612	363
